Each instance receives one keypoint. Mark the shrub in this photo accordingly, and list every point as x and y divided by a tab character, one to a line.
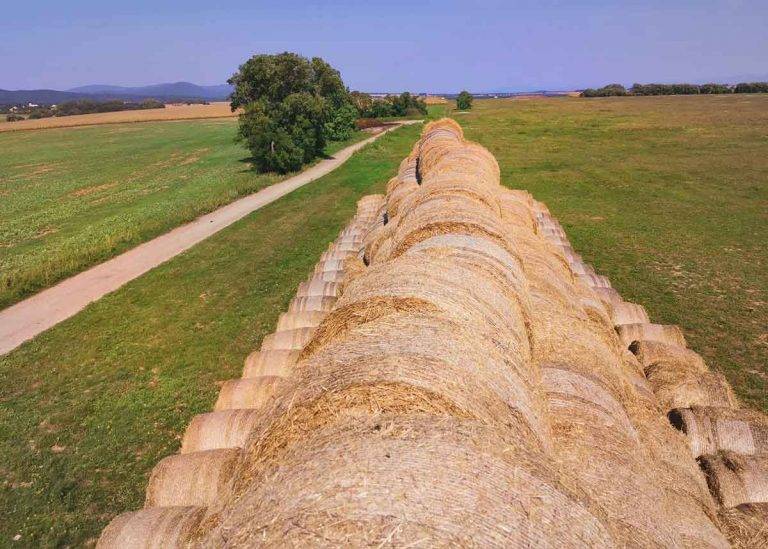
464	101
13	118
293	106
606	91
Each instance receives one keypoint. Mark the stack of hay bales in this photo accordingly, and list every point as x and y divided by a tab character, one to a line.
182	486
471	385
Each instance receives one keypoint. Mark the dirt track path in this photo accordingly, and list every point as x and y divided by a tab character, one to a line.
34	315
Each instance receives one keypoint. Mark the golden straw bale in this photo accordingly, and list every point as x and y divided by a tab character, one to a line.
612	464
246	393
331	265
196	479
335	254
287	340
746	525
389	479
448	215
331	276
315	287
304	319
711	429
595	281
453	284
270	363
734	478
682	384
316	303
155	528
628	313
608	295
420	360
652	352
663	333
222	429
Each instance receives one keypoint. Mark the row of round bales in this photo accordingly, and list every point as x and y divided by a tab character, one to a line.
182	486
475	383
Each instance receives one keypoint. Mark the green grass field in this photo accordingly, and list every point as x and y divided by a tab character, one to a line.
73	197
667	196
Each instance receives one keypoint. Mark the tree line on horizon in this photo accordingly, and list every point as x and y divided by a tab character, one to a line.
617	90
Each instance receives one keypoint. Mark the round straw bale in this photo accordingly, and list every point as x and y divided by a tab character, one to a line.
548	230
734	478
304	319
331	265
407	359
330	276
217	430
608	295
407	481
398	194
628	313
664	333
682	384
345	246
196	479
653	352
315	287
452	284
609	464
335	254
287	340
746	525
580	268
316	303
595	281
587	395
246	393
491	254
711	429
270	363
540	208
170	527
449	215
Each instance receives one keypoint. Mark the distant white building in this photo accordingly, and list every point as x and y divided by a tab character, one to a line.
32	105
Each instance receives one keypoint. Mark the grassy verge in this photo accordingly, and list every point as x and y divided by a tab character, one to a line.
71	198
89	407
668	196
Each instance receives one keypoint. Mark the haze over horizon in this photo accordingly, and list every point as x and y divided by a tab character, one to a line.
425	46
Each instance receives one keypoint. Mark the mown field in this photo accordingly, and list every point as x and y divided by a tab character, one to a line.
170	112
668	196
71	198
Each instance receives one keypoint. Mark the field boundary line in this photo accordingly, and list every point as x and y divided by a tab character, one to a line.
28	318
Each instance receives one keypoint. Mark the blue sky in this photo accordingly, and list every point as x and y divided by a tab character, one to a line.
388	46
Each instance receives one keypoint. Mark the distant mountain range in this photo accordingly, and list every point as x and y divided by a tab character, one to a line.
165	92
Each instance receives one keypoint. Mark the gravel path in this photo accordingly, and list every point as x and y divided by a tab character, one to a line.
34	315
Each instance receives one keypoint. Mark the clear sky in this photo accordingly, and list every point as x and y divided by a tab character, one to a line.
419	45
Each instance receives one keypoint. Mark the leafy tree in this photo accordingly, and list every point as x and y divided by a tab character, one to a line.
605	91
751	87
464	101
293	106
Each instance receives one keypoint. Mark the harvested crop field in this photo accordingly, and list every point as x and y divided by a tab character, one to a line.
71	198
170	112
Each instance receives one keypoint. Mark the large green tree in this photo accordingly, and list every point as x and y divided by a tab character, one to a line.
292	107
464	101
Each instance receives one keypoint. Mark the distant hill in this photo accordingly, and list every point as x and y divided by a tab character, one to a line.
175	89
164	92
46	97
